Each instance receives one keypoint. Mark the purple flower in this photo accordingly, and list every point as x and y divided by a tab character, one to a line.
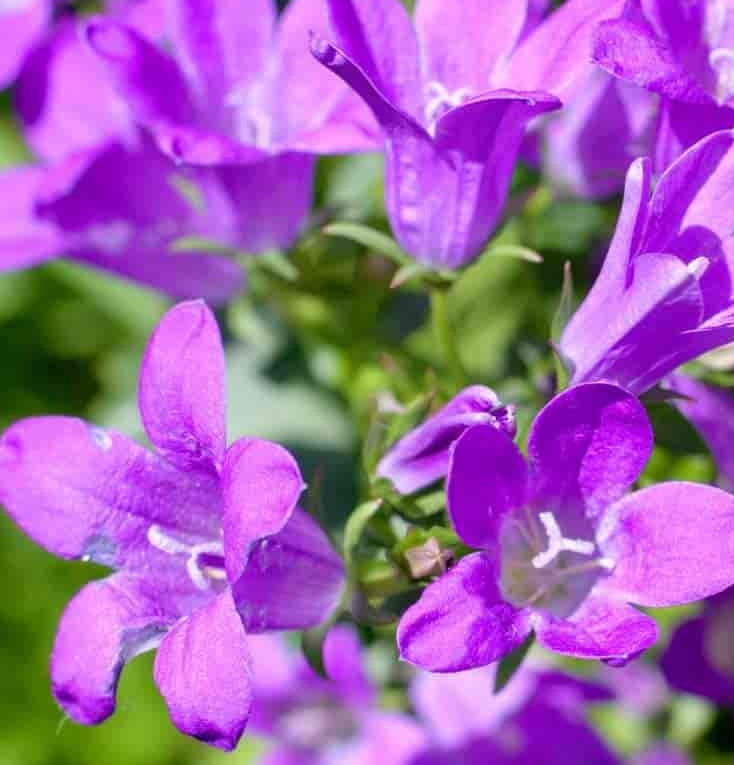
238	85
453	114
22	24
315	721
665	293
537	718
661	754
422	456
589	144
710	410
682	50
700	657
206	541
563	549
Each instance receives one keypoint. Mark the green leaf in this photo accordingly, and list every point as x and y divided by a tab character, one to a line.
355	527
558	324
276	263
511	663
512	251
370	238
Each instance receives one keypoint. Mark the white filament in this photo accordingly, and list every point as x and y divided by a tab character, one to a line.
722	62
201	577
438	96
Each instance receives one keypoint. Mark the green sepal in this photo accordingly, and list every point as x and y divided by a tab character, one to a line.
511	663
371	238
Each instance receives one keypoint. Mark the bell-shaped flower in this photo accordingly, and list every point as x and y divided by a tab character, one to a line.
314	720
564	549
422	456
207	541
665	293
234	83
453	97
683	51
538	717
700	657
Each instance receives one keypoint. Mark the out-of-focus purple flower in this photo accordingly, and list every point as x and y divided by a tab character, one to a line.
121	209
661	754
639	688
207	541
589	145
682	50
710	410
564	549
665	294
238	85
22	24
453	114
316	721
537	718
422	456
700	657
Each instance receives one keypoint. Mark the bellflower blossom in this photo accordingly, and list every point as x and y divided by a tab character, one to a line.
313	720
563	550
238	86
422	456
537	718
206	541
700	657
453	115
683	50
665	293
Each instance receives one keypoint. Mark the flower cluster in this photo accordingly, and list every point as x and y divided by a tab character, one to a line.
175	143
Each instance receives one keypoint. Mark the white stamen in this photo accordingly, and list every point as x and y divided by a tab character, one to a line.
200	575
698	267
557	543
722	62
438	96
161	541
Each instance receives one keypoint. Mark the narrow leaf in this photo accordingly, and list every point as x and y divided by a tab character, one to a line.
511	663
370	238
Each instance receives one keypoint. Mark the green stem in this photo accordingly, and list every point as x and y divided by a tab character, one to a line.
445	335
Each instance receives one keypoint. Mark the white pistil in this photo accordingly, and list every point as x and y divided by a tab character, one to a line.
557	543
201	576
722	62
438	96
698	267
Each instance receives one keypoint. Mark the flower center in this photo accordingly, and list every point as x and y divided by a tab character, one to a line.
543	568
439	100
722	62
316	724
204	560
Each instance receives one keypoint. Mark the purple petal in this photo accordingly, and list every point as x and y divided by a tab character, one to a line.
222	50
710	410
461	621
556	56
591	142
181	393
293	580
688	215
687	666
267	213
91	493
314	110
261	484
106	624
602	628
389	738
65	100
645	325
95	203
145	77
661	754
487	479
22	25
345	664
488	31
379	38
632	51
25	239
588	446
672	543
422	456
203	670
